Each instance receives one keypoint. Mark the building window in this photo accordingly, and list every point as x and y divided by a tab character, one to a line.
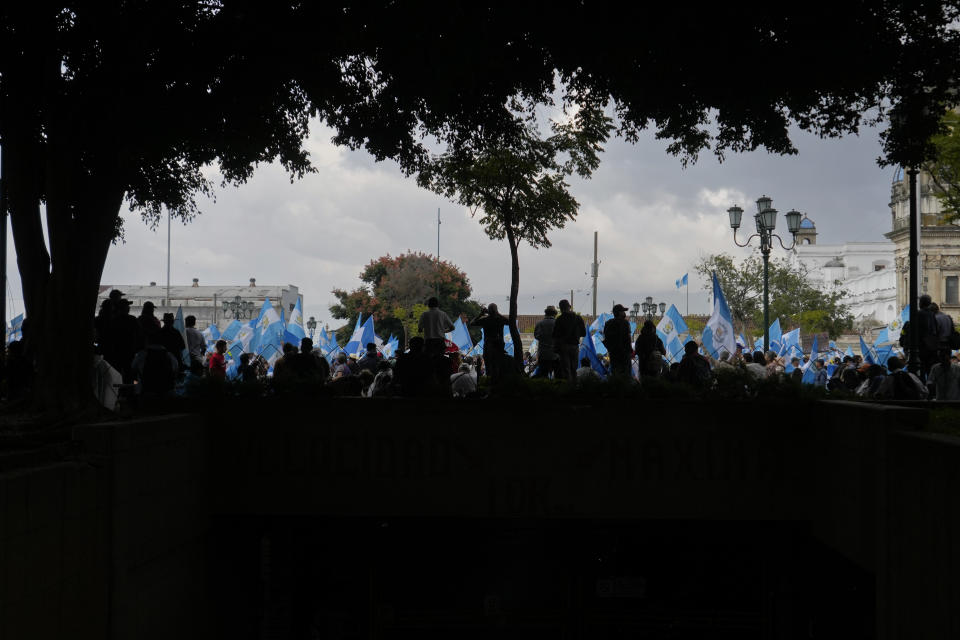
952	293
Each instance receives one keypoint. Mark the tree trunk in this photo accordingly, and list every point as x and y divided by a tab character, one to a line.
514	293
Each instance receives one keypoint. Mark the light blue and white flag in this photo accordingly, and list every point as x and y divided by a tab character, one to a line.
883	337
270	327
788	340
507	341
294	332
868	353
15	332
742	341
849	352
587	351
776	336
809	374
896	326
721	322
814	350
211	333
758	344
674	350
460	336
884	353
671	325
682	281
362	335
230	333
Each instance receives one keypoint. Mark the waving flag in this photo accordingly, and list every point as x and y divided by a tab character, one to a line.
362	336
460	336
507	340
883	337
269	327
788	340
231	331
588	351
896	326
720	322
776	336
868	353
682	281
671	325
294	332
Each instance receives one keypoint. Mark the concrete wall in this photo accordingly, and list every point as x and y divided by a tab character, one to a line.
115	545
54	553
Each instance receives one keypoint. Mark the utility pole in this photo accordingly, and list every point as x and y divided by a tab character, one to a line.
168	258
594	272
571	298
438	253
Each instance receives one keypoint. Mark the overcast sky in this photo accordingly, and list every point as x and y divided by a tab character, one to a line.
655	219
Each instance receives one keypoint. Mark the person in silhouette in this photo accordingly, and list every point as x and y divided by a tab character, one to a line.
371	358
171	338
567	331
647	343
694	369
547	358
433	324
616	338
928	335
127	339
155	368
492	324
415	370
149	325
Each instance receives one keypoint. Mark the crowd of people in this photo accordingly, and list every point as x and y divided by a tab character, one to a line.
151	355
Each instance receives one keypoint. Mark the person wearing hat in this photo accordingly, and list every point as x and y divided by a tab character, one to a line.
547	358
616	338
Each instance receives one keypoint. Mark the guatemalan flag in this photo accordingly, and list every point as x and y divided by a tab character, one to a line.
671	325
294	329
682	281
721	322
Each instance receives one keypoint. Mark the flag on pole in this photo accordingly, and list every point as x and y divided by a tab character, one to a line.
868	353
294	332
270	328
362	335
682	281
896	326
720	322
671	325
789	340
460	336
588	351
776	336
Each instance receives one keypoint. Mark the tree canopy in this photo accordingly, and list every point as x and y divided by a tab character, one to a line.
793	297
944	168
394	286
517	182
103	104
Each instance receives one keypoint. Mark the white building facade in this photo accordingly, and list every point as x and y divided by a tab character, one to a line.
865	270
210	304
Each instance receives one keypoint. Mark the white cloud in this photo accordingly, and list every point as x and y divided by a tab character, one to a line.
654	219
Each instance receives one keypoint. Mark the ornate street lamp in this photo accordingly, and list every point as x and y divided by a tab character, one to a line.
766	221
238	308
311	326
650	307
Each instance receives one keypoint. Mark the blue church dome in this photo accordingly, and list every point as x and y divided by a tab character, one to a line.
898	175
807	223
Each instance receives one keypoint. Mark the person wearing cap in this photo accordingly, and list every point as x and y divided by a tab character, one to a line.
492	324
616	338
547	358
567	331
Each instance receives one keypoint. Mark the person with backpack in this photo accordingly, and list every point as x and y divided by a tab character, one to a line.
900	384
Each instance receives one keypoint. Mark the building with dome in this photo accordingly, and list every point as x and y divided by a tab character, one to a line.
863	269
939	244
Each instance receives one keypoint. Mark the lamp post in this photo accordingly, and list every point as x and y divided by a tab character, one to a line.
238	307
766	221
650	307
311	326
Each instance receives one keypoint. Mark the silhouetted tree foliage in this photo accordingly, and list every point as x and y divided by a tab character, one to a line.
391	288
113	103
517	182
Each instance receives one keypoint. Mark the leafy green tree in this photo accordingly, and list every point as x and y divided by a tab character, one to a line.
944	169
793	298
517	182
395	291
